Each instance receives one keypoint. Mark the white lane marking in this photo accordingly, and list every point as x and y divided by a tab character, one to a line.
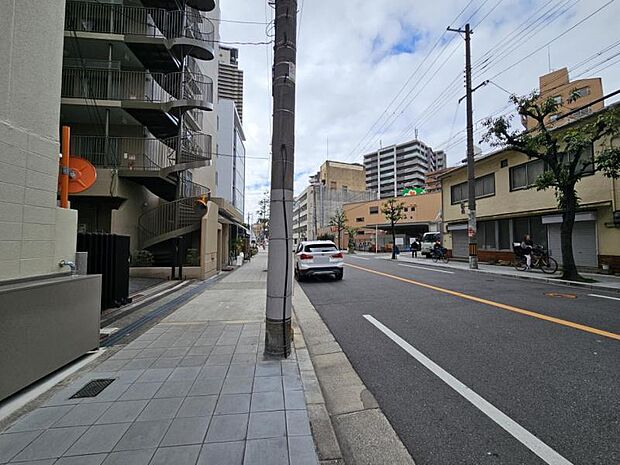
604	296
526	438
425	268
357	256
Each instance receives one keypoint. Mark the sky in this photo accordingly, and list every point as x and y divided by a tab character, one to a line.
372	72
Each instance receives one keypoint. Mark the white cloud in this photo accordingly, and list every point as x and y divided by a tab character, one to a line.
344	83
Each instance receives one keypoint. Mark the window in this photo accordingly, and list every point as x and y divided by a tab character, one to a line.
525	175
557	99
373	210
532	226
486	235
345	188
326	247
405	209
581	92
503	229
485	186
360	219
554	117
332	185
458	193
585	160
503	163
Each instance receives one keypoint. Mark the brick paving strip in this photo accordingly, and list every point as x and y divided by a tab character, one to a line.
195	389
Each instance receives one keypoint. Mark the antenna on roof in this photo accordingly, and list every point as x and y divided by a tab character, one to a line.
416	133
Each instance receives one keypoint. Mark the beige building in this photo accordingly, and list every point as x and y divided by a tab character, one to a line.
421	213
335	184
558	86
508	207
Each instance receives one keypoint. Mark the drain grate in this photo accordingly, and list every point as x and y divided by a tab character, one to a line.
93	388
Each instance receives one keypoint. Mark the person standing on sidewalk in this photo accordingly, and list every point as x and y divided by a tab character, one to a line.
415	248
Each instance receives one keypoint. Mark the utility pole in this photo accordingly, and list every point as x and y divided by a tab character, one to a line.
471	177
280	264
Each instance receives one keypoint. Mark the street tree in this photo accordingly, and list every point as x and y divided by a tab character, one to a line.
339	221
567	153
351	232
392	209
263	212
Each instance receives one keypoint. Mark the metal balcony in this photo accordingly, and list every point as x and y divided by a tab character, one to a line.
156	100
202	5
183	32
151	162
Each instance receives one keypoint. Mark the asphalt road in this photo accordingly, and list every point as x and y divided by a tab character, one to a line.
549	363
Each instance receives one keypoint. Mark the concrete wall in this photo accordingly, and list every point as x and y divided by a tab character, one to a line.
225	139
206	175
45	325
209	242
343	174
30	49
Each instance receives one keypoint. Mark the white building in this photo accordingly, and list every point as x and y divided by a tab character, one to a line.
402	165
230	165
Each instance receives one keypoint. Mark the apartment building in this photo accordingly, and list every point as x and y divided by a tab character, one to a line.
230	82
138	93
402	165
508	206
335	184
558	86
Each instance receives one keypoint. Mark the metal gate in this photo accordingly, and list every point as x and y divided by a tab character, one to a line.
108	255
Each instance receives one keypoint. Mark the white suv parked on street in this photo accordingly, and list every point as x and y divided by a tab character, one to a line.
318	257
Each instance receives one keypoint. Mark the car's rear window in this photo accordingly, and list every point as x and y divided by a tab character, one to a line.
321	248
430	237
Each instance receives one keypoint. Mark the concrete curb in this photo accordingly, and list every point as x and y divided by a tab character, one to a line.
346	421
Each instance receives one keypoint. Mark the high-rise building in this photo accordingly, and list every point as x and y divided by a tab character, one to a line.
230	166
138	93
230	82
402	166
569	95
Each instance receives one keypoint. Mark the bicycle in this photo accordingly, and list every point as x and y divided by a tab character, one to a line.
540	260
440	254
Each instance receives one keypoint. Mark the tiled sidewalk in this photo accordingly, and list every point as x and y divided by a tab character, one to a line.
185	392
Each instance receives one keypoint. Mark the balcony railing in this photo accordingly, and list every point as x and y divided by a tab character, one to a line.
115	84
168	220
132	20
142	153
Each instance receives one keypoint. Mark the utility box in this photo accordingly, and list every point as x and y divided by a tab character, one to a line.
108	255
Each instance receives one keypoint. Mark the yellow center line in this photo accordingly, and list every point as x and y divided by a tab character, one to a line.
510	308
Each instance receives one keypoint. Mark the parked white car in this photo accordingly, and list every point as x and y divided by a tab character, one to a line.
427	242
318	257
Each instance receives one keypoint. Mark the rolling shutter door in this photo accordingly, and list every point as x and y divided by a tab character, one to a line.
460	243
584	243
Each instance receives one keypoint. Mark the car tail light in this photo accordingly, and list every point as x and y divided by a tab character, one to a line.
338	255
305	256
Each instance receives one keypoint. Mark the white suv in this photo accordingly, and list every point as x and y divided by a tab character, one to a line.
318	257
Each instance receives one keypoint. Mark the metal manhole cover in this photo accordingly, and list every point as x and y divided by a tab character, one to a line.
92	388
560	295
